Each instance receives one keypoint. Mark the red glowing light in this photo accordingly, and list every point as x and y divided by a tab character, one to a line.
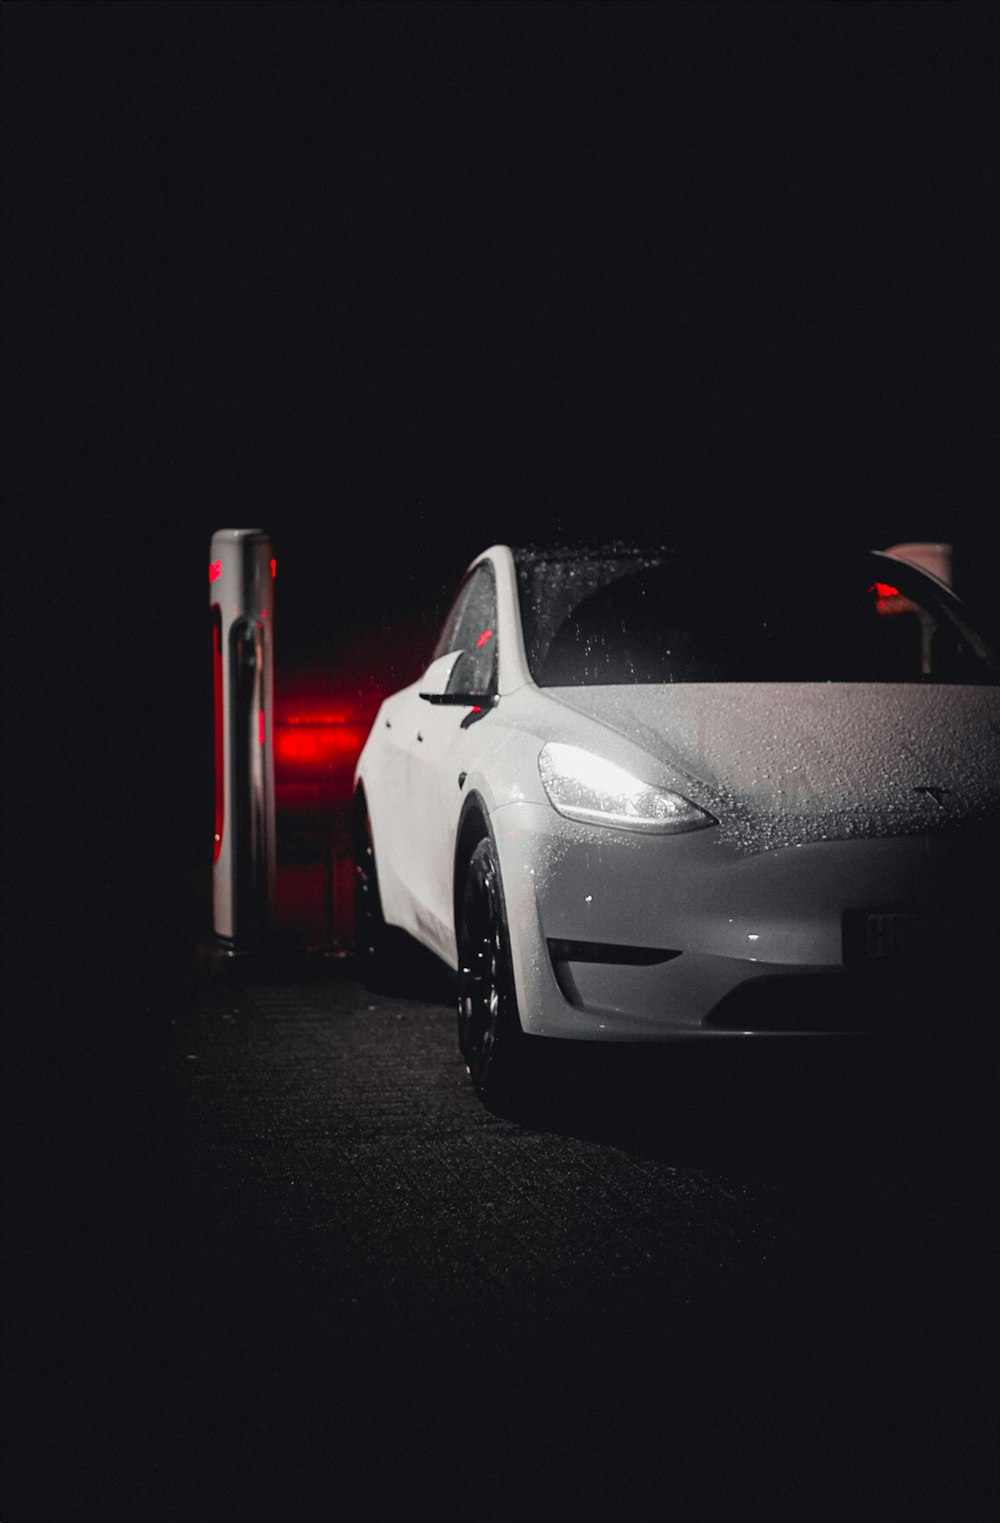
315	719
487	634
274	569
883	590
214	571
260	726
318	745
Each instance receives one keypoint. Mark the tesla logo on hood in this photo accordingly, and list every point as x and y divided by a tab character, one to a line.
937	794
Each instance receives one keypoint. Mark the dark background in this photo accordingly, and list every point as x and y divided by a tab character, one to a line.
395	281
393	356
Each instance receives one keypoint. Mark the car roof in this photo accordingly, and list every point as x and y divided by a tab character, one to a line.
590	550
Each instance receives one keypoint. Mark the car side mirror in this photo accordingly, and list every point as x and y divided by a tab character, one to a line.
451	679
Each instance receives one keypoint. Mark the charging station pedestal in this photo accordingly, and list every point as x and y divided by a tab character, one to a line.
241	596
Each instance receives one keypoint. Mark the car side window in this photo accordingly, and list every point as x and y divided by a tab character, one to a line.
447	638
471	629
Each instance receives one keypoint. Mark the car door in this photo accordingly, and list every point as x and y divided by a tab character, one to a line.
446	738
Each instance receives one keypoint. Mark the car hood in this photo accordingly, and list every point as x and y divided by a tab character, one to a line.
783	763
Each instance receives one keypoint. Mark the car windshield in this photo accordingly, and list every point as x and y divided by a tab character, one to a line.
625	616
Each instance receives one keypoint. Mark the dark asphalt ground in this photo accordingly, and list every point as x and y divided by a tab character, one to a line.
694	1290
315	1279
332	1160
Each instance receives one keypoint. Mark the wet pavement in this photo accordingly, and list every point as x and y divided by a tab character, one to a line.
699	1288
334	1165
285	1265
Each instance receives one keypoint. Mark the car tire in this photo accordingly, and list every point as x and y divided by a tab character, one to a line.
490	1037
372	937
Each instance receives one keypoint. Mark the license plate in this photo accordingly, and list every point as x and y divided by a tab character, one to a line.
880	936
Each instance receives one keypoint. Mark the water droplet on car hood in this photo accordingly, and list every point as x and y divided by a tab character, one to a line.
782	763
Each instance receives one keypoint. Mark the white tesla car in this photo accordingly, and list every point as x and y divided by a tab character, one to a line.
645	796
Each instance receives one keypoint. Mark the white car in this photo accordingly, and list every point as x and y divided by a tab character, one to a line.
644	796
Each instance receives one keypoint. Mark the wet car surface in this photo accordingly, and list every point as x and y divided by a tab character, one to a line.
642	796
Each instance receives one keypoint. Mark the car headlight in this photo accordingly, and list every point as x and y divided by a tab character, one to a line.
586	787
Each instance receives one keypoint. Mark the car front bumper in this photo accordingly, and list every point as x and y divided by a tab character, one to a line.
622	936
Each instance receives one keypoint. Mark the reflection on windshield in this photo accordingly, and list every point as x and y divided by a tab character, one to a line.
632	619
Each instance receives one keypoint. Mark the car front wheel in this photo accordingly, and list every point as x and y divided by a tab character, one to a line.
489	1029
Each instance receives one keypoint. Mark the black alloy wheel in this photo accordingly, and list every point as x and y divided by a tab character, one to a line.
489	1030
371	934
